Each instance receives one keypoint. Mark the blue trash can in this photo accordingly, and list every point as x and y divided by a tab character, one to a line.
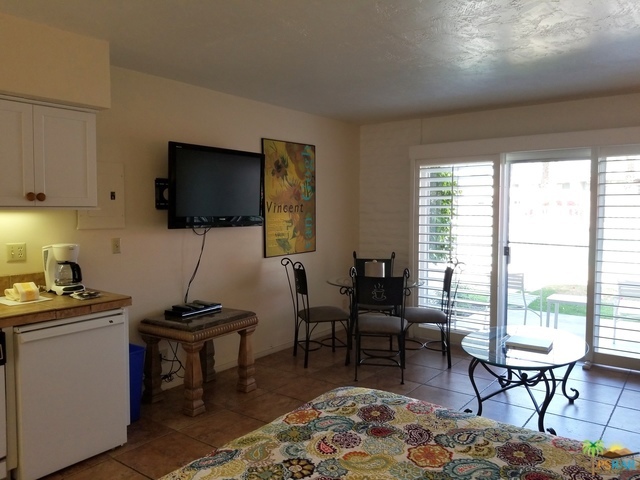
136	365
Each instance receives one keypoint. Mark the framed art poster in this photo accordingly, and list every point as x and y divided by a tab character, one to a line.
289	197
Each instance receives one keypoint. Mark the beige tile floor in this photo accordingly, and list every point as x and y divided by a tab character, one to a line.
165	439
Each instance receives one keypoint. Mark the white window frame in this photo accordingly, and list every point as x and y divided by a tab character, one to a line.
447	153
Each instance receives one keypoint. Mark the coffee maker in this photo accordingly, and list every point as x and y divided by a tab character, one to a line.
62	273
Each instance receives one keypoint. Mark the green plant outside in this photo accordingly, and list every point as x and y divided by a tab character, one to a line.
442	212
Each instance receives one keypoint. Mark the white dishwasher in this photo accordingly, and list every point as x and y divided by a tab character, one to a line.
72	390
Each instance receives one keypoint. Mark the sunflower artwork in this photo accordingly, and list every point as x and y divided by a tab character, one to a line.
289	197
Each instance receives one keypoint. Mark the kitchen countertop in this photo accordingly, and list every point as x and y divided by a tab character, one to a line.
61	306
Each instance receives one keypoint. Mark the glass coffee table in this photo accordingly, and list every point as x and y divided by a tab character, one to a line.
525	355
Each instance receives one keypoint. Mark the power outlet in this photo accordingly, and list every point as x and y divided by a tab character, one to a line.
163	354
115	245
16	252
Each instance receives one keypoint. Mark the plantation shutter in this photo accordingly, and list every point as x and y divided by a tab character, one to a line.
617	278
455	223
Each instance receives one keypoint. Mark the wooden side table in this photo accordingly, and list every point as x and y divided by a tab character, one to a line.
192	334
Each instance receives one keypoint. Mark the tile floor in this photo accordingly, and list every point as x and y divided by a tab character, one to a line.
165	439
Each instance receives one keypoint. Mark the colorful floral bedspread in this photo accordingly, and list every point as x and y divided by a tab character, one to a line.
359	433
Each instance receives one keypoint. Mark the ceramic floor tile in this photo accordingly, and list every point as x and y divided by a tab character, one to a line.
267	407
419	373
581	409
390	383
305	388
614	377
440	396
633	381
226	395
107	470
630	399
595	392
168	411
86	465
345	374
625	419
458	382
462	367
164	454
222	428
516	396
513	414
145	430
270	378
568	427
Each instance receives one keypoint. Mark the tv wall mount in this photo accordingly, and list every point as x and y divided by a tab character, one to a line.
162	193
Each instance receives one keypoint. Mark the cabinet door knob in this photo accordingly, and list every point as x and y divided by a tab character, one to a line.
41	197
31	196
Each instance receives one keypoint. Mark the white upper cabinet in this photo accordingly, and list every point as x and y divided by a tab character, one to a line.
47	156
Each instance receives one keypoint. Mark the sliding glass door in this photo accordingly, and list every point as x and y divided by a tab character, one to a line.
548	239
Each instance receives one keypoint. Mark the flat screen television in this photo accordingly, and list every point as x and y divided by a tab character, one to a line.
214	187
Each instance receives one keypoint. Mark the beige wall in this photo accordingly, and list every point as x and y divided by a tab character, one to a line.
156	263
579	115
43	63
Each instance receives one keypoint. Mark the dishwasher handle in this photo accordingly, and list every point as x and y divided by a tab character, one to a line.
68	328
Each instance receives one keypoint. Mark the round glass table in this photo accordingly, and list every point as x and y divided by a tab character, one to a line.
529	355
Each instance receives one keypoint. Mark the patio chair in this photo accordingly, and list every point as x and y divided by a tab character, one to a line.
627	304
517	298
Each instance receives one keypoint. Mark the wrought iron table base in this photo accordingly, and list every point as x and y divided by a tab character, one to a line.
526	378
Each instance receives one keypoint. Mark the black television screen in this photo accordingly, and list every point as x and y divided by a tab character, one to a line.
214	187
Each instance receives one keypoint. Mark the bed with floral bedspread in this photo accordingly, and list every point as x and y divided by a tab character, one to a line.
359	433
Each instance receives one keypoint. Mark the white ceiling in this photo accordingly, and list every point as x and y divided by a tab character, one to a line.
367	61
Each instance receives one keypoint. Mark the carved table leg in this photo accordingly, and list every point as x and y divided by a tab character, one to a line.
246	367
193	403
152	371
208	361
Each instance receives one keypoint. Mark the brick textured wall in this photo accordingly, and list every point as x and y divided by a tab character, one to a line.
385	195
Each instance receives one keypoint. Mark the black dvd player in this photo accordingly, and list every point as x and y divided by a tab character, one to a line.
193	309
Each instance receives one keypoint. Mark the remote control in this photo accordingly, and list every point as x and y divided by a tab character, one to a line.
206	304
194	306
181	308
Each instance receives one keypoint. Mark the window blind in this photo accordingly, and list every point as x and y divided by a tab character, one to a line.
617	276
455	223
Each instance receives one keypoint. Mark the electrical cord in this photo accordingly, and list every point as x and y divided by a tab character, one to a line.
168	377
195	270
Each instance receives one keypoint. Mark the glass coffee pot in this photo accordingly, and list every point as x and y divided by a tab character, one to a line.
68	273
